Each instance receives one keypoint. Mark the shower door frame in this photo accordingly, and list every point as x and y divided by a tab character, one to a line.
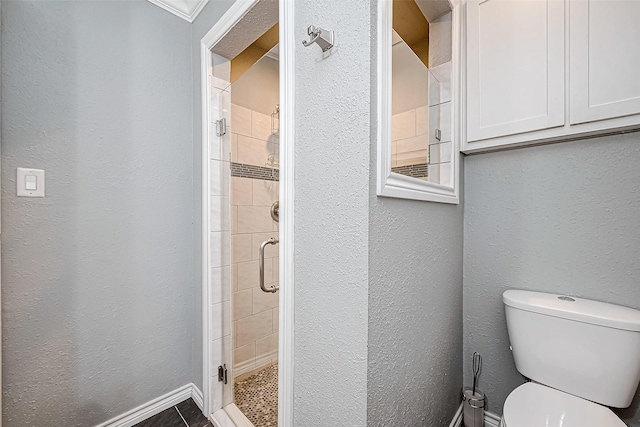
218	32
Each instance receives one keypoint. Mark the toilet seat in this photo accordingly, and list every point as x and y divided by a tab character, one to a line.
536	405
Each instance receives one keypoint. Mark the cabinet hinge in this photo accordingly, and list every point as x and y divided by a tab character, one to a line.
222	373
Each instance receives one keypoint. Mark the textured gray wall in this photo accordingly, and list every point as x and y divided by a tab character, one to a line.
415	312
415	307
332	109
561	218
206	19
97	278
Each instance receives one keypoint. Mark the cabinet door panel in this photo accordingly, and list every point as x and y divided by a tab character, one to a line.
515	67
604	59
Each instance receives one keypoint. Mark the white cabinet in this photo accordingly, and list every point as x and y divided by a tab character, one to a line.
548	70
604	59
515	67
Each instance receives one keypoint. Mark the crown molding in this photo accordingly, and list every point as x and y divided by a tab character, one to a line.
185	9
274	53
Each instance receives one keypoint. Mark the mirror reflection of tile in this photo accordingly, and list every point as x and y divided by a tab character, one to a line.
421	132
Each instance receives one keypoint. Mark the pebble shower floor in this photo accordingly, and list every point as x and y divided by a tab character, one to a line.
257	397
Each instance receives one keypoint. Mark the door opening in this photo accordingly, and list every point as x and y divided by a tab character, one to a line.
247	328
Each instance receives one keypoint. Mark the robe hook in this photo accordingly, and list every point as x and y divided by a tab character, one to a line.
323	38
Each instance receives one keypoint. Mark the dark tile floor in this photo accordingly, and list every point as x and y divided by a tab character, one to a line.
183	414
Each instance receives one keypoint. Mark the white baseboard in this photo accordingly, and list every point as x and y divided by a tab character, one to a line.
155	406
490	419
457	418
255	363
197	397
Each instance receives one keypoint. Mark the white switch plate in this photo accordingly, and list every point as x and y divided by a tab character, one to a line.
21	181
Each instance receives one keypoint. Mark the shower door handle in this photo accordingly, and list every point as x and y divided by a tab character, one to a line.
274	288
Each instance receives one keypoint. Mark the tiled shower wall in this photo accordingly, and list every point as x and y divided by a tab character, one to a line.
408	135
440	114
440	151
413	133
255	313
220	235
413	136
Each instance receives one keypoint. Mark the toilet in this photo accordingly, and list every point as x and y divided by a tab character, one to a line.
582	357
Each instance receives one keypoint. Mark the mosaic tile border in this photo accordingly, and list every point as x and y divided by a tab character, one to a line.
415	171
242	170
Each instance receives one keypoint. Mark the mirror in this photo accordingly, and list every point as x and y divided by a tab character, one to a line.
410	126
416	144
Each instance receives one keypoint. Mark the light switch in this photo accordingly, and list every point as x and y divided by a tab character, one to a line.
30	182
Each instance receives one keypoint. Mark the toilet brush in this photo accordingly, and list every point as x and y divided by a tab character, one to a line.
477	362
473	399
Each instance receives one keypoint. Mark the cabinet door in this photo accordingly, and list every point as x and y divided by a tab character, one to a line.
515	67
604	59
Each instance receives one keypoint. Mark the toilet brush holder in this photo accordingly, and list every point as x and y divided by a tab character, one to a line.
473	408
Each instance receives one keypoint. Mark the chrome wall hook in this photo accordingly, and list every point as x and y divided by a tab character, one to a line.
323	38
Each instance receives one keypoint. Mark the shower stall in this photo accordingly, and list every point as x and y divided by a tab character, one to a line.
245	119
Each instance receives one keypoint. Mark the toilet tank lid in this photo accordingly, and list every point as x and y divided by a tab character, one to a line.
573	308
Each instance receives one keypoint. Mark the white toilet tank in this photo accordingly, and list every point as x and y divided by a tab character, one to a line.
586	348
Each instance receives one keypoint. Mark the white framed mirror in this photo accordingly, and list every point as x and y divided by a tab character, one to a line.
418	87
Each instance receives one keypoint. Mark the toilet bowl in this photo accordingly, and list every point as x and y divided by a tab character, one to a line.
536	405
